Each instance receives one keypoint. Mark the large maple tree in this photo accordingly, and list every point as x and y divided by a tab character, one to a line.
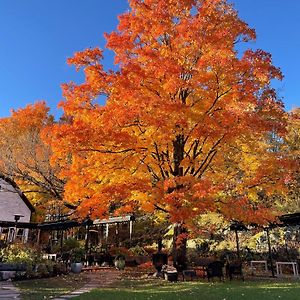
186	118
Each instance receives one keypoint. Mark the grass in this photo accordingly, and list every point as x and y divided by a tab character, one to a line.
157	289
160	290
47	288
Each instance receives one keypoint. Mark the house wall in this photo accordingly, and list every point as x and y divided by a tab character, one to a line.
11	203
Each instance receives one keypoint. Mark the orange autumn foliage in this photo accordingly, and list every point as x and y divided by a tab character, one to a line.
185	125
25	159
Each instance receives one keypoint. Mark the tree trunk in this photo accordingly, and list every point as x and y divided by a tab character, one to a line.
179	236
179	247
159	244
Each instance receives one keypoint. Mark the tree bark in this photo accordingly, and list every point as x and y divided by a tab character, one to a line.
179	241
179	247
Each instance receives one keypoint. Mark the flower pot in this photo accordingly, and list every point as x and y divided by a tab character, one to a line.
76	267
171	276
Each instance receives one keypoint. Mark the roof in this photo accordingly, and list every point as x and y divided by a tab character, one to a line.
290	219
65	224
6	224
18	190
112	220
60	225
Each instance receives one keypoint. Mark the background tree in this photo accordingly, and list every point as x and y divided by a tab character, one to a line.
183	131
25	158
291	147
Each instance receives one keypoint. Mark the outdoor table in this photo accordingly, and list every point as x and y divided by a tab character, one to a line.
252	262
279	265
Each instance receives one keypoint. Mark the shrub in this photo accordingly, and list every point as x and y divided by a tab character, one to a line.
70	243
150	249
114	251
77	255
146	265
42	271
138	250
20	253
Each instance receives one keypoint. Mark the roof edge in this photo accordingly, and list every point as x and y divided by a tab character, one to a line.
20	193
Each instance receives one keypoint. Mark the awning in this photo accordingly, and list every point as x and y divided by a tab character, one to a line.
6	224
290	219
58	225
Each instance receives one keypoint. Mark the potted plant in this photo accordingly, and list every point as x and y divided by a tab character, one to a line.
120	262
77	257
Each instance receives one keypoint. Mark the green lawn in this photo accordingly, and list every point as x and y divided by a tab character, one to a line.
48	288
235	290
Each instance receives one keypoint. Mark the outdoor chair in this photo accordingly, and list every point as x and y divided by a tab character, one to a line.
169	273
215	269
234	269
188	275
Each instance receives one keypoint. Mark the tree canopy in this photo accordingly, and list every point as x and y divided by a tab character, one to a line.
185	126
25	158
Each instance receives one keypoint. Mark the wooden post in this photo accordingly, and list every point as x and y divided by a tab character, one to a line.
130	231
270	252
117	234
61	241
237	243
106	232
38	236
87	238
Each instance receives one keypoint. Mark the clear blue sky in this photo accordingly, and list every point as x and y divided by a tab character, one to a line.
36	38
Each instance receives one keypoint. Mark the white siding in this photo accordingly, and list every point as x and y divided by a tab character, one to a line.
11	203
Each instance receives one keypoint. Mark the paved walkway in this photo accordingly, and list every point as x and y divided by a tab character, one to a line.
8	291
99	279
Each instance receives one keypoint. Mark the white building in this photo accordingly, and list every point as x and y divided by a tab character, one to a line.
15	209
